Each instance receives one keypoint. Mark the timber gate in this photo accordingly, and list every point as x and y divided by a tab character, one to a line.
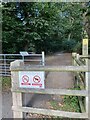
80	68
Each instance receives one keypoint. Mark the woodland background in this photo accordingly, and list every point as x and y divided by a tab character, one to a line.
50	27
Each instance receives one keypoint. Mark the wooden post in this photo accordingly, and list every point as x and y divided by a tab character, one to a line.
75	64
89	89
87	76
85	47
1	98
73	61
43	59
77	57
16	97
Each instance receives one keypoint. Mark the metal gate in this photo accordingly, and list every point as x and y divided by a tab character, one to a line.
28	58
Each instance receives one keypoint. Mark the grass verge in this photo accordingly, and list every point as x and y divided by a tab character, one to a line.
6	83
70	103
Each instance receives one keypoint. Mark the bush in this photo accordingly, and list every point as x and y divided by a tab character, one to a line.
68	45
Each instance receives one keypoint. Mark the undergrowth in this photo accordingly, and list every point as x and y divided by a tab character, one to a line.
6	83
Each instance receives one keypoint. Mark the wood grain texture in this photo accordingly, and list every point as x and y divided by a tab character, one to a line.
51	68
50	112
52	91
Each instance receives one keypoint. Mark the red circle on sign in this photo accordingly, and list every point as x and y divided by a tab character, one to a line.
25	79
36	79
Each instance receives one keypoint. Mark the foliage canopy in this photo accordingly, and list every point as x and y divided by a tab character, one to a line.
37	27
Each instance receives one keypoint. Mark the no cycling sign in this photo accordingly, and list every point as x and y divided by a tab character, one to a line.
31	79
25	80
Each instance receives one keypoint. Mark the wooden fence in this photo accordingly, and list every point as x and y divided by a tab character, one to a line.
81	68
17	107
80	77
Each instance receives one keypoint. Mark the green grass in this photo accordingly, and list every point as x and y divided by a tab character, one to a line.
6	83
54	104
70	103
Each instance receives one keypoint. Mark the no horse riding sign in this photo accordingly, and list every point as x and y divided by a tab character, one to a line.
31	79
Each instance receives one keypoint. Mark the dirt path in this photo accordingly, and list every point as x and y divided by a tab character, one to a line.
53	80
59	79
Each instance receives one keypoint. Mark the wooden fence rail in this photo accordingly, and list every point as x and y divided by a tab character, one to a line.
52	91
51	68
17	107
81	68
50	112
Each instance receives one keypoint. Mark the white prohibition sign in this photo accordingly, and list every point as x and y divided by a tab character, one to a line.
36	79
25	80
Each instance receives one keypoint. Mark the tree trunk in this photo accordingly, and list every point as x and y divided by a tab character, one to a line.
26	46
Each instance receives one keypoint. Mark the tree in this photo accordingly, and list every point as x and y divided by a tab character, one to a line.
41	26
86	14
